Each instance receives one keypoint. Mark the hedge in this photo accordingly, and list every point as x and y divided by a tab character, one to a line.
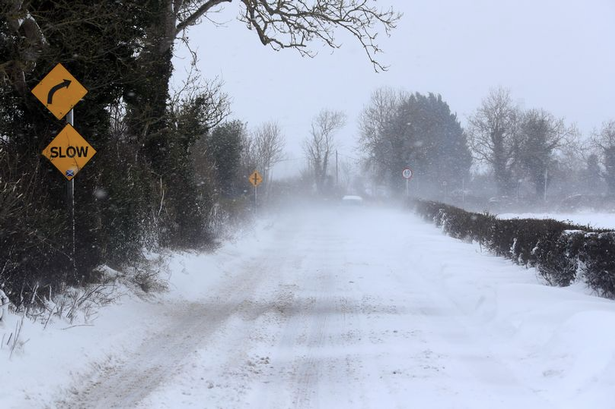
561	252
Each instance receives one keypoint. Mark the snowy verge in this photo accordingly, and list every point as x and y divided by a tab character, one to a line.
40	358
556	339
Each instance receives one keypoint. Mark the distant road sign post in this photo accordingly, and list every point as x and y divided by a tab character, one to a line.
256	179
407	174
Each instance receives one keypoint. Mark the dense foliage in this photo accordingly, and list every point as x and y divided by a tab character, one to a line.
139	189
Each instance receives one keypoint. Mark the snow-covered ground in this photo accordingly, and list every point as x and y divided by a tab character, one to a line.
594	220
329	308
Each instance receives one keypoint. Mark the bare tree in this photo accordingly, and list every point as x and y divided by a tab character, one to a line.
280	24
542	139
207	94
197	108
373	122
269	146
292	24
493	136
319	146
605	141
542	135
249	161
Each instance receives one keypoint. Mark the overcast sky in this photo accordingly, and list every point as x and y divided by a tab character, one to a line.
553	54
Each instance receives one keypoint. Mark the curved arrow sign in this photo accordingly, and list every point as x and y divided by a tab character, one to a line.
52	91
59	91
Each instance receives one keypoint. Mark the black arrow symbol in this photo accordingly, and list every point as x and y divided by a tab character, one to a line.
63	84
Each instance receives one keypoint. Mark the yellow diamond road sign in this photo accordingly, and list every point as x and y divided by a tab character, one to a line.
69	152
59	91
255	178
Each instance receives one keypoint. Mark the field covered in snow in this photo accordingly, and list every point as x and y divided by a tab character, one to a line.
328	308
594	220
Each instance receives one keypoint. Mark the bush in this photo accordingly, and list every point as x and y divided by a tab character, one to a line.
598	257
561	252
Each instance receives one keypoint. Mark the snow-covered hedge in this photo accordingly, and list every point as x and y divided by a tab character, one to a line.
561	252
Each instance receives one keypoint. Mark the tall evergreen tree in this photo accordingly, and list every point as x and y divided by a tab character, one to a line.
224	146
425	135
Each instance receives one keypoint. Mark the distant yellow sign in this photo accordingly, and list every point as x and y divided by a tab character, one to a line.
255	178
59	91
69	152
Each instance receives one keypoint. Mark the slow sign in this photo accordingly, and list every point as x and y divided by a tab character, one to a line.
69	152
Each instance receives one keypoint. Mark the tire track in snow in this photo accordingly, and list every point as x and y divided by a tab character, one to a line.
164	353
323	308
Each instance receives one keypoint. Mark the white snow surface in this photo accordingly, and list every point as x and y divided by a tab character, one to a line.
328	308
594	220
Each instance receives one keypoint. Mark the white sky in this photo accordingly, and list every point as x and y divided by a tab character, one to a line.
553	54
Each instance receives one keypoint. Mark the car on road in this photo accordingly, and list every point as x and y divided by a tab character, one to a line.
352	200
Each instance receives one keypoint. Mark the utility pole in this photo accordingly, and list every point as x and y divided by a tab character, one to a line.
337	178
546	179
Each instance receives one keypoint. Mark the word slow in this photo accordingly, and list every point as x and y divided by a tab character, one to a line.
70	152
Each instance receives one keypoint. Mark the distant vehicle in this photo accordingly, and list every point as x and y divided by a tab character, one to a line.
501	200
352	200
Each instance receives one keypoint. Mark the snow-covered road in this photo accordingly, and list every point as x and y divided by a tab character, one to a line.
358	308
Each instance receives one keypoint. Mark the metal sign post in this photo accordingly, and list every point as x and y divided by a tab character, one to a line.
407	174
70	118
256	179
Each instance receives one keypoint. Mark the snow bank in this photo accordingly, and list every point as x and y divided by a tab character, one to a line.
594	220
560	340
